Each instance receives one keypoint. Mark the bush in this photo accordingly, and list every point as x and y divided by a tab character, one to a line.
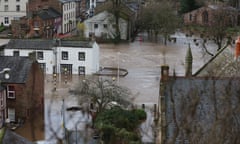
2	28
119	125
140	114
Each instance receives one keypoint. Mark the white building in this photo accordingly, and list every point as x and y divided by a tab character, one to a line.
68	15
73	57
103	25
11	10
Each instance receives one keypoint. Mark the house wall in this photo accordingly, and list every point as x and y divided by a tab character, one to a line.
69	16
196	16
52	57
102	19
35	5
2	107
18	103
67	9
91	62
28	96
48	58
12	13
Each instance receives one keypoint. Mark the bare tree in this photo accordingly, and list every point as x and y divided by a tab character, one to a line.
102	93
159	18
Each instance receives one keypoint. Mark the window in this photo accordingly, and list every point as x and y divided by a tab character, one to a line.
190	17
11	92
66	69
81	70
6	0
6	20
36	24
11	114
40	55
81	56
6	8
43	66
64	55
205	17
104	25
1	99
15	53
17	0
95	26
17	7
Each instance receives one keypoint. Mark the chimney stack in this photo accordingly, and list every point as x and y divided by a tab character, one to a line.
188	62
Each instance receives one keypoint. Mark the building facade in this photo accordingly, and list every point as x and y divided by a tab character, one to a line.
58	56
102	25
12	10
3	106
68	15
205	16
24	88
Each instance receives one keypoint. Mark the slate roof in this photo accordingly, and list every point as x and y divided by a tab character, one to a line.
64	1
189	103
49	13
20	67
81	44
40	44
30	44
13	138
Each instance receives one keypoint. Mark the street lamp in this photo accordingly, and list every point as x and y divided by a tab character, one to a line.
5	71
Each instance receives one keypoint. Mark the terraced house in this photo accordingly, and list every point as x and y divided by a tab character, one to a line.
75	57
12	10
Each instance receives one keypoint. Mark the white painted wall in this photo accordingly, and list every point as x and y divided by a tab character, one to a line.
102	19
91	62
69	14
12	13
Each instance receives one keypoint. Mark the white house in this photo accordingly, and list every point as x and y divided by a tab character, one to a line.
11	10
68	15
103	25
58	56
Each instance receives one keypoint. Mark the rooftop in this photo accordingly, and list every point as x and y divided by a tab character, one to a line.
19	68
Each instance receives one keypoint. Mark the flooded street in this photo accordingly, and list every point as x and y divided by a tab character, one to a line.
143	61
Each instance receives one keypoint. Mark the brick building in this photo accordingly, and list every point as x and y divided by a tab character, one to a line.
205	15
25	88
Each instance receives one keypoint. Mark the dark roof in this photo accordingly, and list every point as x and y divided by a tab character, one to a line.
30	44
20	67
40	44
49	13
82	44
13	138
65	1
189	101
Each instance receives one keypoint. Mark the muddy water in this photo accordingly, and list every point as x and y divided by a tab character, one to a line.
143	61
